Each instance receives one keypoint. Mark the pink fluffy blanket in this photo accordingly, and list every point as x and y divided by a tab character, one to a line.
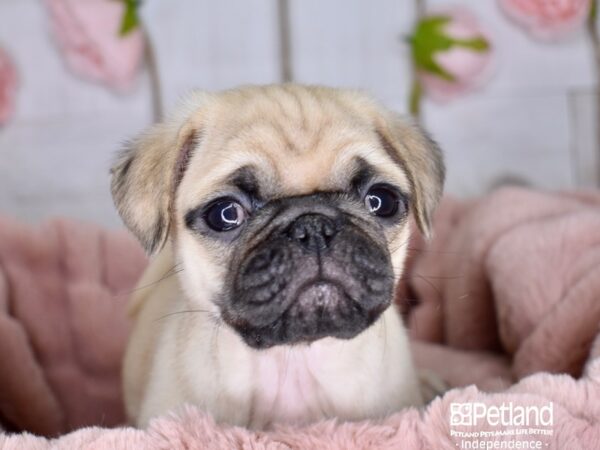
504	304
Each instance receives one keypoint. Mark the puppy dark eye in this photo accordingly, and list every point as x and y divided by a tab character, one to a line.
382	201
225	215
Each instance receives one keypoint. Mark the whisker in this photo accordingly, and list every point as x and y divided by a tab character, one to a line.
428	250
169	273
400	245
433	286
204	311
432	277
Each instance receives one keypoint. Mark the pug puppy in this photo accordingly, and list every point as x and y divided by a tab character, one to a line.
278	217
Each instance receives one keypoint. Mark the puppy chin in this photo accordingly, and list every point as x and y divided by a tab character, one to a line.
322	309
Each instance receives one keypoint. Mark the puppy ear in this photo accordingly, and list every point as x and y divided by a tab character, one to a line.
146	175
411	147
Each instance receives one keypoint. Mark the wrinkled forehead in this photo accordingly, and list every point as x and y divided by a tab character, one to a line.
286	148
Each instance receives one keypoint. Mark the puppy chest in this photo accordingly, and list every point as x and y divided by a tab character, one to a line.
287	388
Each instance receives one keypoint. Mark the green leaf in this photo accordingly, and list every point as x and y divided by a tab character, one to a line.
131	19
427	40
430	38
479	44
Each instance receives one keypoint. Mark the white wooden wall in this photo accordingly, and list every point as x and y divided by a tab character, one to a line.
54	155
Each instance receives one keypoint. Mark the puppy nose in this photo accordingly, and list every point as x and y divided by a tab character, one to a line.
314	232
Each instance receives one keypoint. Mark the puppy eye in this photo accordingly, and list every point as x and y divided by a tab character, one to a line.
382	201
225	215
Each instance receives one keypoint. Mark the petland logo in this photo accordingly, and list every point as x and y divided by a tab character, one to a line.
507	415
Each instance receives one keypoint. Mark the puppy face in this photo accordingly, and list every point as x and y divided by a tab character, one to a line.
287	206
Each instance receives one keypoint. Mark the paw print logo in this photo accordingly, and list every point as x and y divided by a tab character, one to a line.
461	414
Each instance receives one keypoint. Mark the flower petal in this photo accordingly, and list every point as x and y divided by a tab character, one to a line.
88	35
548	20
8	87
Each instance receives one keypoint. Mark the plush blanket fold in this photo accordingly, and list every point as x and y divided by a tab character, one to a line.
63	291
507	311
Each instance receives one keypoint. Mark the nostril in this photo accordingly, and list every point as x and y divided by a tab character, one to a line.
314	232
328	229
299	232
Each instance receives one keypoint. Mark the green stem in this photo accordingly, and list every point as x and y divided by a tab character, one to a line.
416	91
285	47
414	102
154	75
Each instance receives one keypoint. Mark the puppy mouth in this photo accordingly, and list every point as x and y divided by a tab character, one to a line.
322	308
320	295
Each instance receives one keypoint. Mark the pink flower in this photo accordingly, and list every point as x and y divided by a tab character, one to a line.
87	31
8	87
461	58
548	19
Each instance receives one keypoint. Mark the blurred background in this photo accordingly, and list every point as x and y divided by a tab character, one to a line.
526	113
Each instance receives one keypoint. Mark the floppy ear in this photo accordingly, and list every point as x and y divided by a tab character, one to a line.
411	147
146	175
